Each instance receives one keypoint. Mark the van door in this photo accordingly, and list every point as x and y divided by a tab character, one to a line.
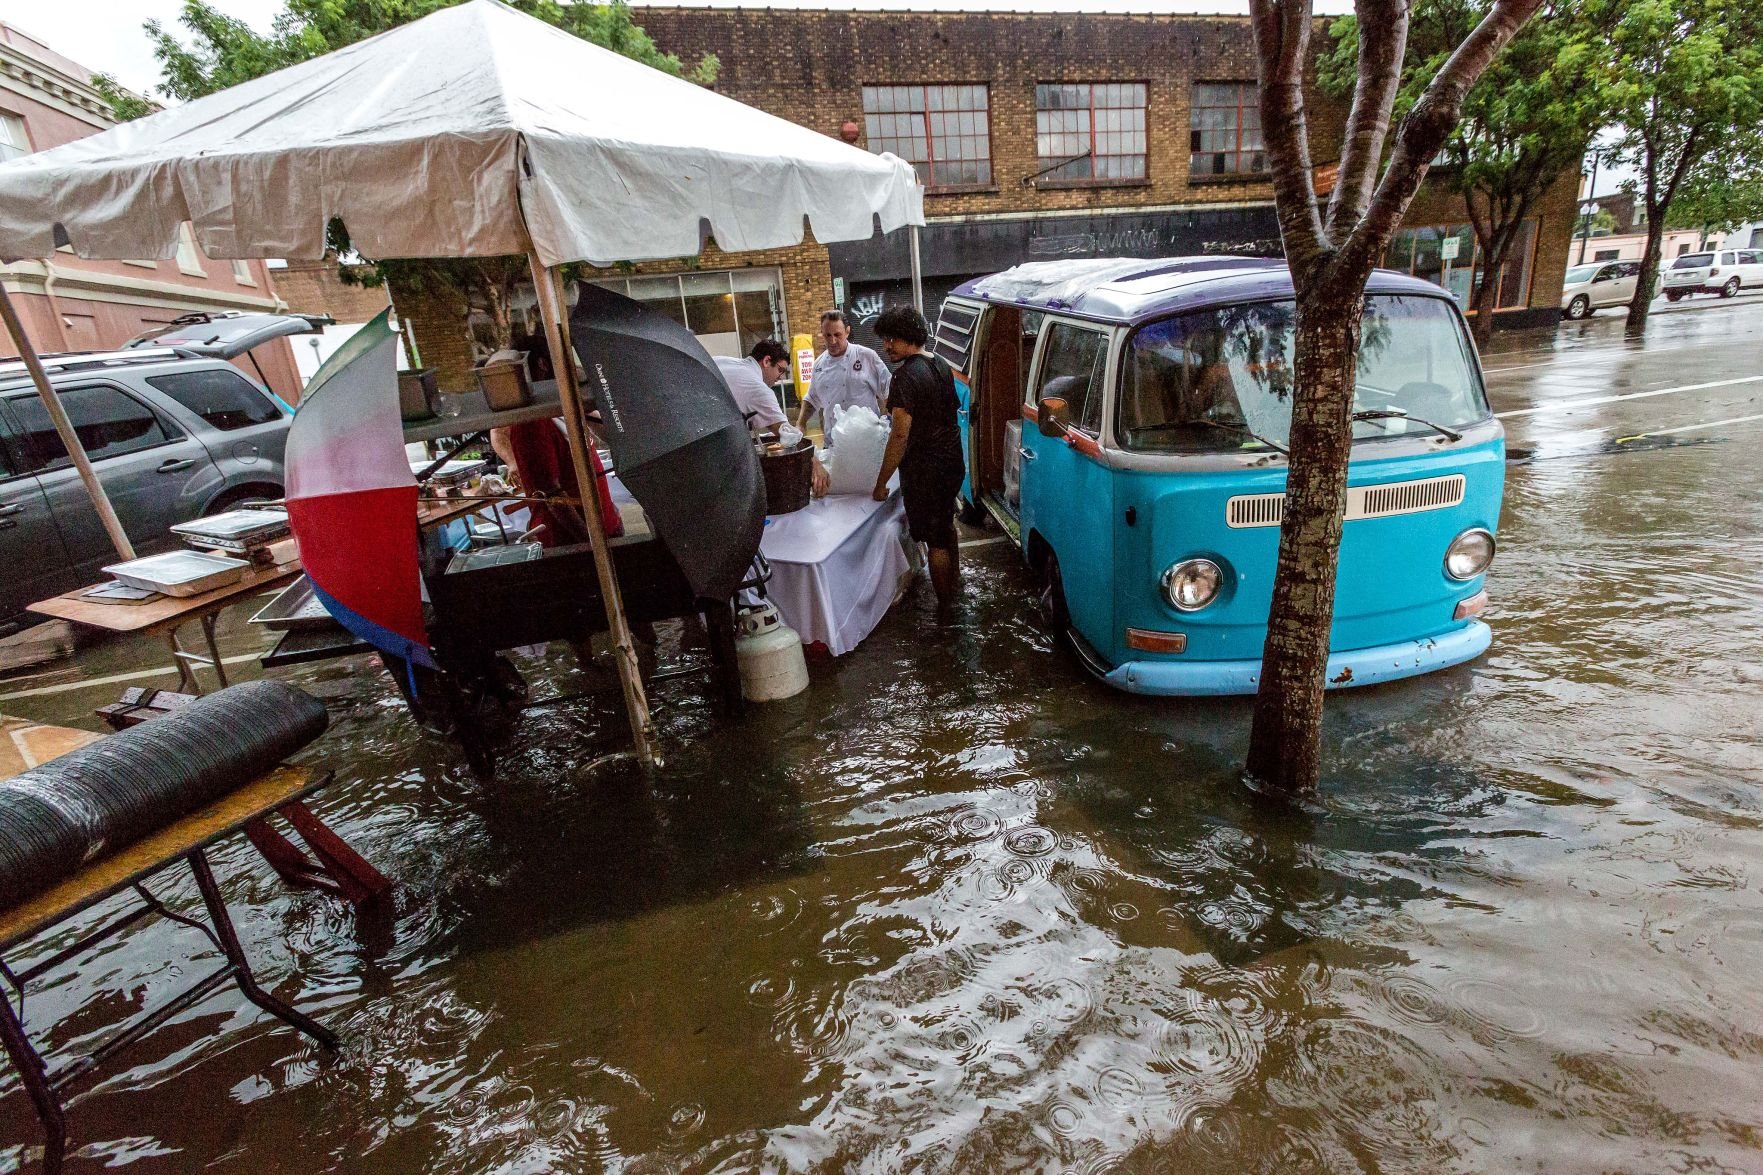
154	473
1067	492
30	546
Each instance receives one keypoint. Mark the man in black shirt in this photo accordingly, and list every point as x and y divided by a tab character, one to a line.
925	444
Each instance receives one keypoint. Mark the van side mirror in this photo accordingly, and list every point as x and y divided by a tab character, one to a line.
1051	416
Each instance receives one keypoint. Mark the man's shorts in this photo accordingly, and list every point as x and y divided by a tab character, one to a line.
930	505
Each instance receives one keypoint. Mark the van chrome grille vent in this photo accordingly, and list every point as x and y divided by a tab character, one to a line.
1255	510
1379	501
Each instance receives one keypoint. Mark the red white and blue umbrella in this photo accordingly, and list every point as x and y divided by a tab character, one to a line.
352	499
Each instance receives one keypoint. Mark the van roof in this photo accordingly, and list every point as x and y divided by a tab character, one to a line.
1133	289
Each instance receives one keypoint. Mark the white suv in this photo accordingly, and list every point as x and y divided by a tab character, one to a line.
1725	272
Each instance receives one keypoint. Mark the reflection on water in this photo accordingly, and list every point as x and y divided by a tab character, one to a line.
958	909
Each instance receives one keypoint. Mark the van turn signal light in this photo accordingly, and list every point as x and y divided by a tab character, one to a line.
1156	642
1472	606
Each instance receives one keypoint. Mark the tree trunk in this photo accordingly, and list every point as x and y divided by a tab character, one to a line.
1642	304
1487	292
1285	741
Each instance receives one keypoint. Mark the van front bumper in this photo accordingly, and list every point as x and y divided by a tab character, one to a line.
1345	670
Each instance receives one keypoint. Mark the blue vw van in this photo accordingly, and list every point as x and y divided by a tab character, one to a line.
1126	423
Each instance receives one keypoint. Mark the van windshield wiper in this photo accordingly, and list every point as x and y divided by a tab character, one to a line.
1198	422
1398	414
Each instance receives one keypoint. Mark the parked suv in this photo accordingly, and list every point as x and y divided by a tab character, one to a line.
1592	287
1724	272
174	433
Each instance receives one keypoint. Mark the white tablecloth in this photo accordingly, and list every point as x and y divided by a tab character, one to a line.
837	565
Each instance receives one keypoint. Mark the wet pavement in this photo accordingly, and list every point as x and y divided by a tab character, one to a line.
959	909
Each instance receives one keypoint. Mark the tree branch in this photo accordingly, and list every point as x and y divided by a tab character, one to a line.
1427	127
1383	42
1282	37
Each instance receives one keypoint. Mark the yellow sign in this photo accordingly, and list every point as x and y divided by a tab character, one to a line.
803	346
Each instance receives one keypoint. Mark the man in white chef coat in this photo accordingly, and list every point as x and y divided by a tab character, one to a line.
845	374
750	380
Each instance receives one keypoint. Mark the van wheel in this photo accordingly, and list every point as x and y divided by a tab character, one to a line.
1579	307
971	513
1730	289
1053	611
1673	295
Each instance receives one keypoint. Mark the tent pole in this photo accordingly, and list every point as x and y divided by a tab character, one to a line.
64	427
917	272
549	291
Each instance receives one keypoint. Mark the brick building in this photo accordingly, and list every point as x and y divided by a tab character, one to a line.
1065	135
71	304
1625	239
1038	136
729	300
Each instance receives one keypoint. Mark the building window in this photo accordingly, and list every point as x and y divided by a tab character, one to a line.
1607	255
1422	252
1683	248
189	257
944	132
13	139
728	311
1225	130
1090	130
1640	217
242	273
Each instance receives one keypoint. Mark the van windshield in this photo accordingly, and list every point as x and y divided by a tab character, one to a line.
1204	382
1693	260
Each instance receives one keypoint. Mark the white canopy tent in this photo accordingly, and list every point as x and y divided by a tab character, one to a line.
476	131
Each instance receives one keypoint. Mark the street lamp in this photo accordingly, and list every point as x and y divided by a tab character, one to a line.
1586	211
1589	209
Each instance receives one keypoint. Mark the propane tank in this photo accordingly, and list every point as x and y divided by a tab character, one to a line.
770	656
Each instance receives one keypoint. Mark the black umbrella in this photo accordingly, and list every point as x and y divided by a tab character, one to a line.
677	439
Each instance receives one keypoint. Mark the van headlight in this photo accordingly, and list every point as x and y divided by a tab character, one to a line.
1469	554
1192	584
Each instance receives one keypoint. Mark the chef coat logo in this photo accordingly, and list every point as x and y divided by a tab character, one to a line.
857	365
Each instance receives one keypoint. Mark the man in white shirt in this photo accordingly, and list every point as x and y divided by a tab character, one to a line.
845	374
750	380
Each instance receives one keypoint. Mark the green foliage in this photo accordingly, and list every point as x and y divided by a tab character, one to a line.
125	105
1687	76
221	51
1526	122
1724	190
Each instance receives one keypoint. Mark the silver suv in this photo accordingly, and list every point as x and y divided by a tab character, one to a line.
173	430
1723	271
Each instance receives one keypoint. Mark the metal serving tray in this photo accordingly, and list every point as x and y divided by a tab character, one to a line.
236	530
180	573
453	473
296	608
495	557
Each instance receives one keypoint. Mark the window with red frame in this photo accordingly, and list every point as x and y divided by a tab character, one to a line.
1090	130
944	132
1225	130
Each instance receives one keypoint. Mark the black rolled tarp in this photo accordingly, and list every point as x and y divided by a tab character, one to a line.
678	441
88	803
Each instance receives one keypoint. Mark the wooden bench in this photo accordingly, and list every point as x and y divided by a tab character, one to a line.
24	745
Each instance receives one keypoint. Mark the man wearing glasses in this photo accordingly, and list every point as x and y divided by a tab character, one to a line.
845	374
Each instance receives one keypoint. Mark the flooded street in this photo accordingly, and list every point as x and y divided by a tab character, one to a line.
958	908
